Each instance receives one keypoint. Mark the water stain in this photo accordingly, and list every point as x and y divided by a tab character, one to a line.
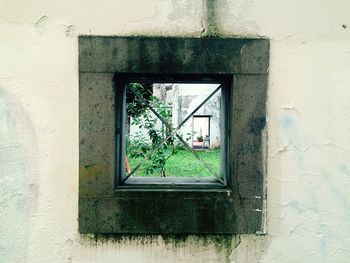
18	177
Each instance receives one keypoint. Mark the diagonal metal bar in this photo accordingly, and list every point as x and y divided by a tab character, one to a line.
149	155
191	114
196	109
174	133
186	144
154	150
200	158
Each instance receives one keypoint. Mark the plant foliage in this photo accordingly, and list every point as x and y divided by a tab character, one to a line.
139	99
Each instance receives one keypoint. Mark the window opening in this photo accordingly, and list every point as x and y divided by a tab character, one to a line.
201	127
172	130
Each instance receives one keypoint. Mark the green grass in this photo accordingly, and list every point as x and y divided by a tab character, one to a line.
185	164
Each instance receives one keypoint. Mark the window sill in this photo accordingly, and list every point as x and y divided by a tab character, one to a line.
172	182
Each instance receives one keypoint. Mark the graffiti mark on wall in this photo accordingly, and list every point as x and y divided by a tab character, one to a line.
248	148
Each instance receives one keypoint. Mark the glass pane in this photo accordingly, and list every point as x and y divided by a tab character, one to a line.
173	130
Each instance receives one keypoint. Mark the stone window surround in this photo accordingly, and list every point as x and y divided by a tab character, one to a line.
238	208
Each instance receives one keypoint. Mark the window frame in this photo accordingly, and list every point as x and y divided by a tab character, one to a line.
237	208
121	81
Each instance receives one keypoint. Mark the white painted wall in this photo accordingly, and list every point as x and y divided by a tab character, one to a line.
187	97
308	209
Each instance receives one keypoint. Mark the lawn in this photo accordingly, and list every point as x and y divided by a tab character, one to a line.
185	164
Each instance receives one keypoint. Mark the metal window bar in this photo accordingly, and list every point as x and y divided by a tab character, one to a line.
174	133
181	139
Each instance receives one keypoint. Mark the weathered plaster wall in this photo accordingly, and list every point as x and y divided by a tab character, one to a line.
308	209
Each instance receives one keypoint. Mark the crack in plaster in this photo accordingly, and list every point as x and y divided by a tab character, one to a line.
241	51
289	107
250	248
291	147
40	21
240	197
284	149
202	19
319	145
309	173
69	30
239	242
